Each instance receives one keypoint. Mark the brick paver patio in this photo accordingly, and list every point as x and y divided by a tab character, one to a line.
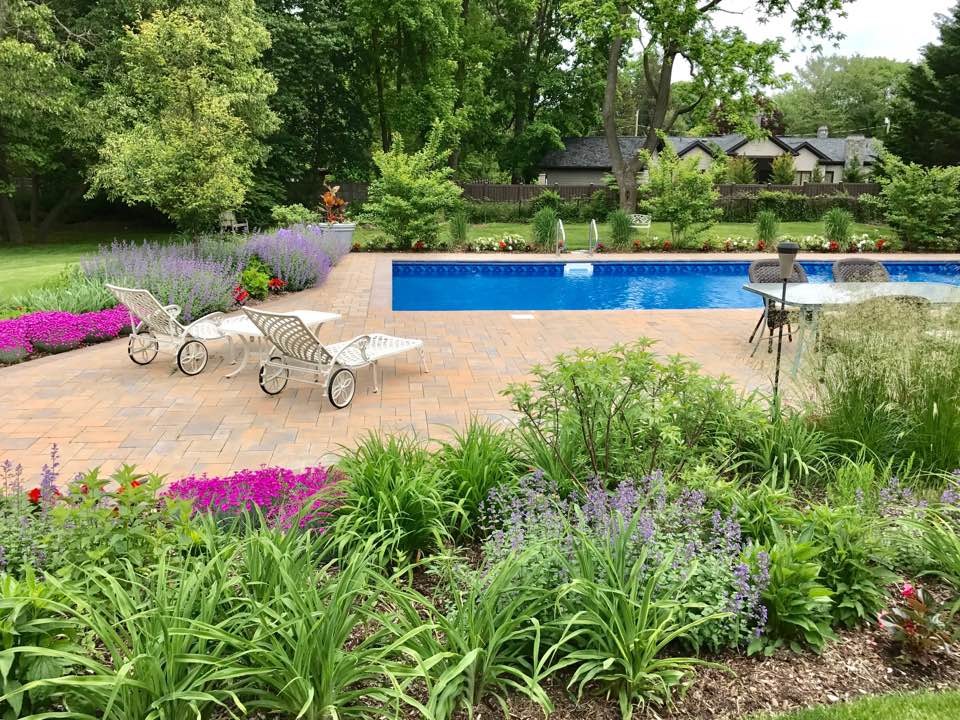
101	409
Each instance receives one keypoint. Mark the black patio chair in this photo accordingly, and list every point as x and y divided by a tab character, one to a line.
768	271
859	270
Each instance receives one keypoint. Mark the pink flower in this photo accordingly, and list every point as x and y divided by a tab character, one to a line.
908	591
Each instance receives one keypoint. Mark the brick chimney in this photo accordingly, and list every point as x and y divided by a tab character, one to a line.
823	132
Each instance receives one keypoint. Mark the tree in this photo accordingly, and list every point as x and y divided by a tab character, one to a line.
39	99
412	192
323	125
817	175
768	117
186	113
782	171
740	170
846	94
927	127
853	172
724	64
679	193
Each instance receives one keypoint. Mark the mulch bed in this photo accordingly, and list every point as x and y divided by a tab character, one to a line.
860	663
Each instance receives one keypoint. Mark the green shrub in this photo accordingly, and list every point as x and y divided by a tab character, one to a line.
783	171
621	231
481	212
938	532
412	191
798	604
459	228
296	214
741	170
544	224
392	493
680	194
838	226
255	279
600	205
850	564
479	459
921	204
546	199
794	207
767	227
889	380
624	412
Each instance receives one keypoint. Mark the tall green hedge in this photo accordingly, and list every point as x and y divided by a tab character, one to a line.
793	207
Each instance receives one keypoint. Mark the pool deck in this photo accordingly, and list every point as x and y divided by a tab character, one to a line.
101	409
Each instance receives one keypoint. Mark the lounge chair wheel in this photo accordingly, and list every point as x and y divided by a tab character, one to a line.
342	387
273	379
192	357
142	348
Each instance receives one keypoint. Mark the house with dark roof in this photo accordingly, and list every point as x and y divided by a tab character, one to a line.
586	160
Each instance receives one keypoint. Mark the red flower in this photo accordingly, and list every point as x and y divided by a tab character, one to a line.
276	283
135	483
667	244
502	244
84	489
908	591
880	243
418	245
240	295
834	246
761	245
34	496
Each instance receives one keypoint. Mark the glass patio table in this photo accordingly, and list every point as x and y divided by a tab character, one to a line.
813	297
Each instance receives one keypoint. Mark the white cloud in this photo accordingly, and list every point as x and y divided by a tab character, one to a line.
896	29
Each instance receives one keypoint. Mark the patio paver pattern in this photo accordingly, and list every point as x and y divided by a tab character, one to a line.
101	409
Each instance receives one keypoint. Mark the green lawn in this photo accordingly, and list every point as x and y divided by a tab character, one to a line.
26	266
577	232
920	706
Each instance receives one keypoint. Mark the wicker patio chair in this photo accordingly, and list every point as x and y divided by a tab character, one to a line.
859	270
768	271
298	355
155	329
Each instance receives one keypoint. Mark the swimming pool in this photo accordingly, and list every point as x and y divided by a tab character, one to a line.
650	285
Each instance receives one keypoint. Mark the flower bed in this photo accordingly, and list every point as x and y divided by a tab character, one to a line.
56	331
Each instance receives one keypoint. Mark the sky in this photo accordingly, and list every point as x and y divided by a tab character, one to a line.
896	29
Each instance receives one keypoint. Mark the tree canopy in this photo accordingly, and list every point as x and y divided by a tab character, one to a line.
847	94
927	127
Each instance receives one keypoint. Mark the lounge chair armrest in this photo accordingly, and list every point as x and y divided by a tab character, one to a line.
355	341
213	318
174	310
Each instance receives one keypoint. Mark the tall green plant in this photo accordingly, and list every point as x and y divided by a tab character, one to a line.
767	226
838	225
740	170
477	460
544	225
459	228
391	492
783	171
621	231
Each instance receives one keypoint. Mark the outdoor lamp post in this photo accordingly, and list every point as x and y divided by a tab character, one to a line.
787	251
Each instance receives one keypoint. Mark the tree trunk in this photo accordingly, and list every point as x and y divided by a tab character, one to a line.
34	201
385	137
69	197
624	170
9	214
661	102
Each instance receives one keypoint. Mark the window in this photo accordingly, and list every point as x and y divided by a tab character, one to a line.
803	177
828	176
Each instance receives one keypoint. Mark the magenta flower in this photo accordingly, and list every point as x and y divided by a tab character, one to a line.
279	493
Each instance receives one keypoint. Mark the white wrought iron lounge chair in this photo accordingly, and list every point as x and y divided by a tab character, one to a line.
298	355
155	328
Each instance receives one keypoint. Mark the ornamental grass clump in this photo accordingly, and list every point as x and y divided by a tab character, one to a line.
284	497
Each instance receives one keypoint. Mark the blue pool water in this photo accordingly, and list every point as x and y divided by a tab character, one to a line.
613	285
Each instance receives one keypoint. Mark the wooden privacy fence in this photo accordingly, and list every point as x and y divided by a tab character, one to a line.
519	194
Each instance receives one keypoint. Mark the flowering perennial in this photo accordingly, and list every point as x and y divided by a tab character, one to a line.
280	494
57	330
